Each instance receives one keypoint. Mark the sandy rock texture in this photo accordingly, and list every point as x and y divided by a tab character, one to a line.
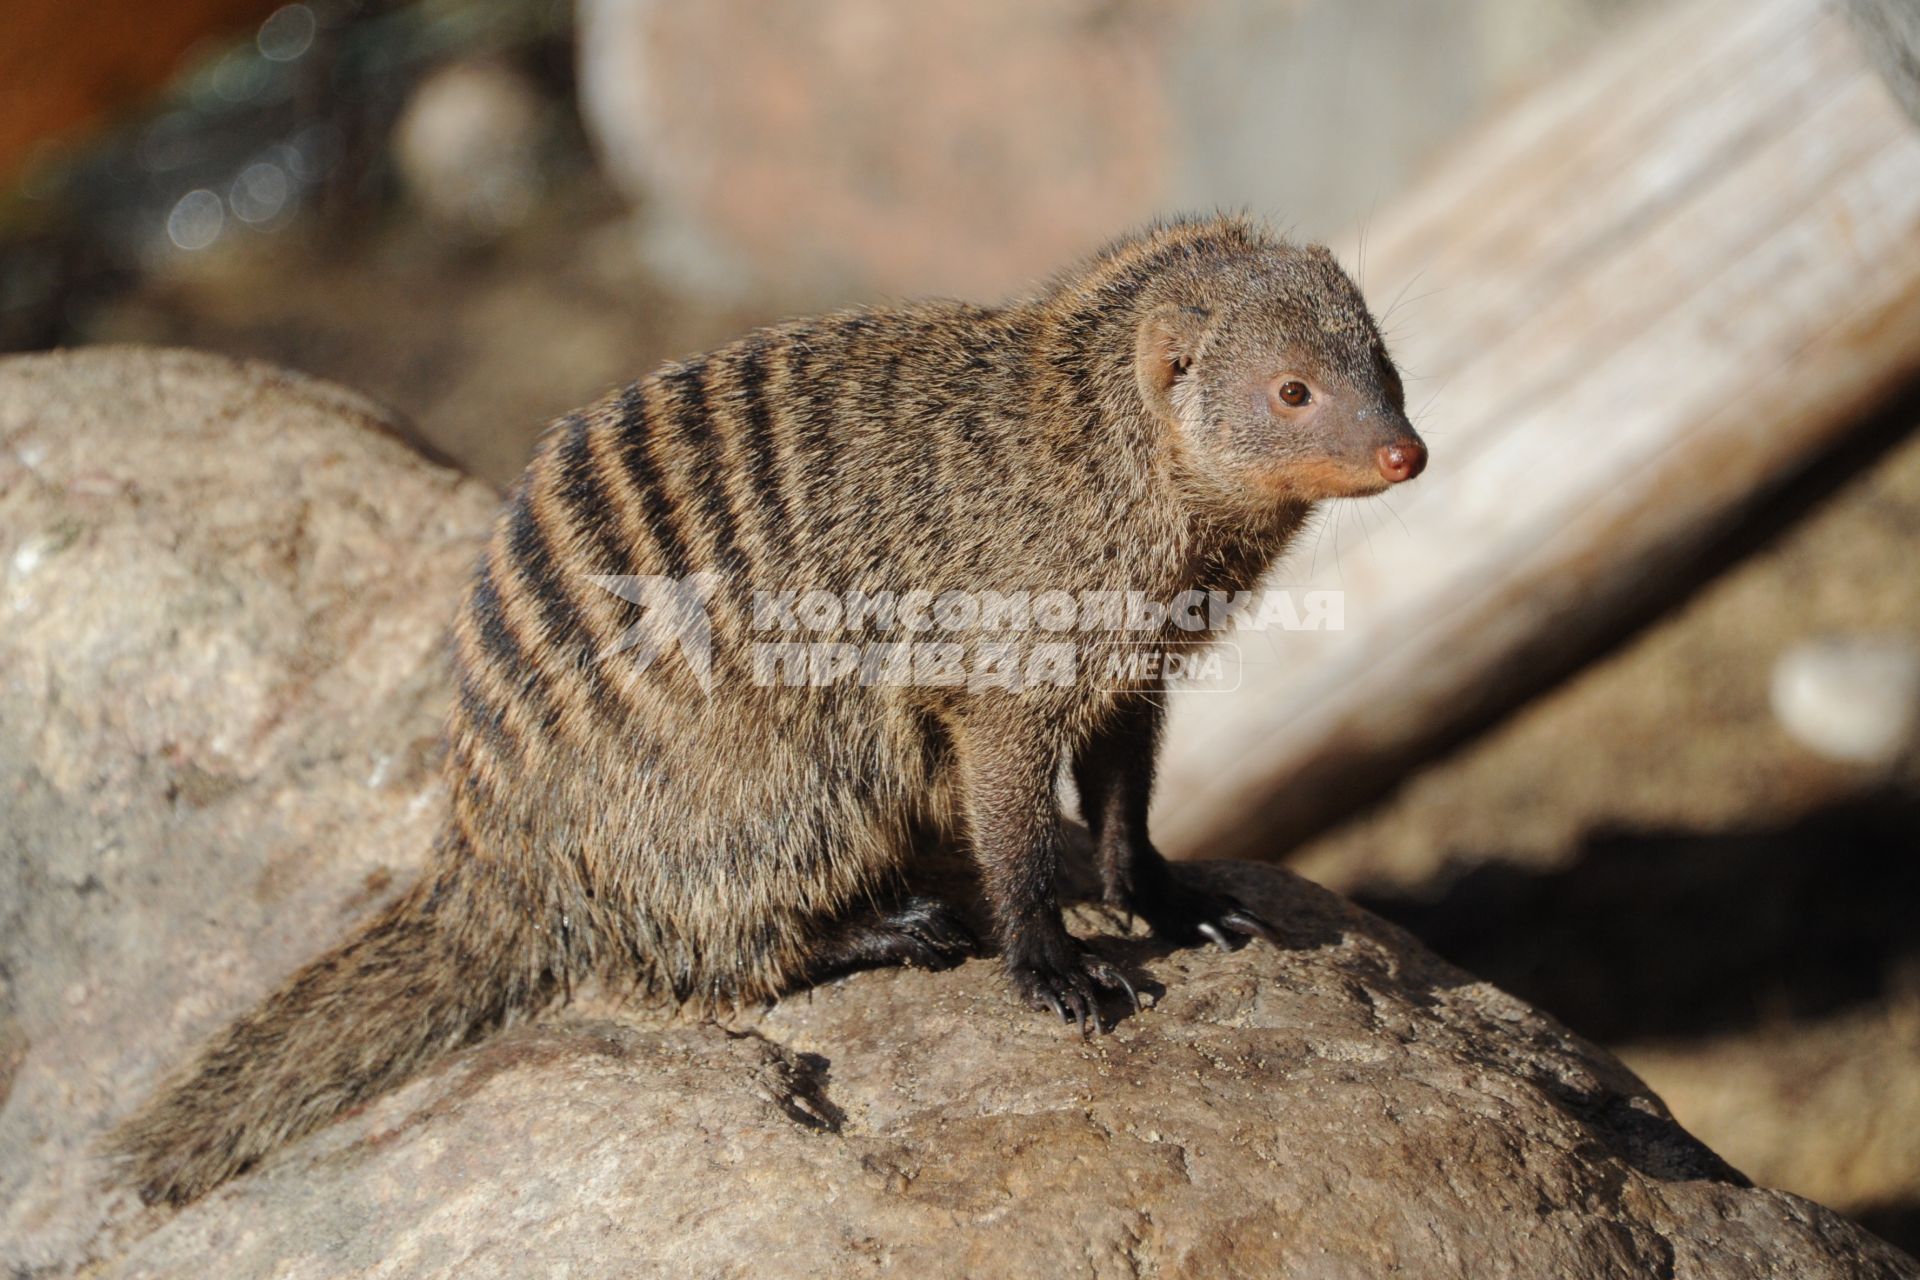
220	678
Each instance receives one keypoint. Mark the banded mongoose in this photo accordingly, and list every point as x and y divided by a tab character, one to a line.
1160	418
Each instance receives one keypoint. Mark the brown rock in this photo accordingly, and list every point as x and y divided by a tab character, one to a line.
895	145
223	600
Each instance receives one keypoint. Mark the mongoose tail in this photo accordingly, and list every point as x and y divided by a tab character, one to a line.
423	977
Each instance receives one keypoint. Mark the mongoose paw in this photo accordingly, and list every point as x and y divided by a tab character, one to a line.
929	934
1189	917
1065	977
923	933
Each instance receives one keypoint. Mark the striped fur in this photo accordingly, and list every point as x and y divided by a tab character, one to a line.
715	844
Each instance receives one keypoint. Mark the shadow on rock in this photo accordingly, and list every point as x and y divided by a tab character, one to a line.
1666	934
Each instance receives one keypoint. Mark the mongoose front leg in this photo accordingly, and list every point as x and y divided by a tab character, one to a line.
1008	761
1114	774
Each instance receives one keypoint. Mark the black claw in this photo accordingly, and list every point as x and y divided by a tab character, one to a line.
1212	932
1072	985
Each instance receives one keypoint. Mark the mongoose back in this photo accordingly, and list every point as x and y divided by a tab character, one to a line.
1160	419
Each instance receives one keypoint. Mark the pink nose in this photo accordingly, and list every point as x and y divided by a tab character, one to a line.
1401	460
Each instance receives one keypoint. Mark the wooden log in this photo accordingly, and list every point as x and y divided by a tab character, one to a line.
1642	303
1889	32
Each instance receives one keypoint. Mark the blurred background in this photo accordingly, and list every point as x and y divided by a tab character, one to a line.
1689	828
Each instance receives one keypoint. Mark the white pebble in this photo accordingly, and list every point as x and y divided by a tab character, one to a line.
1853	699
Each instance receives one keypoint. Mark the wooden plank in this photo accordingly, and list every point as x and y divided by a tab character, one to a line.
1642	302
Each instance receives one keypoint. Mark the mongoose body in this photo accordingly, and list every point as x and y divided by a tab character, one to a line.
1159	420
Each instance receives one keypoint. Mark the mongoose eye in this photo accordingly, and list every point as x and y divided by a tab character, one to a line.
1293	393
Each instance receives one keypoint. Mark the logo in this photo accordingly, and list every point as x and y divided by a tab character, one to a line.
676	614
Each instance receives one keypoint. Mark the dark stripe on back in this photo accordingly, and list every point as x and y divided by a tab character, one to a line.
880	401
762	456
567	636
636	458
819	453
695	426
510	661
580	489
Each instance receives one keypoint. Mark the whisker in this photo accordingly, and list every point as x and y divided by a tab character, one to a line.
1395	514
1435	396
1339	570
1395	304
1319	532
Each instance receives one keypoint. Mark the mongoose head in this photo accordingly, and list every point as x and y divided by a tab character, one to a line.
1275	380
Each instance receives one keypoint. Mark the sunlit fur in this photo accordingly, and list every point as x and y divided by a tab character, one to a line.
710	844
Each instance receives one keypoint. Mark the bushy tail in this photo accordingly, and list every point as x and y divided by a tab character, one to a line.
434	970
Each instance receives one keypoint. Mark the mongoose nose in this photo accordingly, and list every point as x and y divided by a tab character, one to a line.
1401	460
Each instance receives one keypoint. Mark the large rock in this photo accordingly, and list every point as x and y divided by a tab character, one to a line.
222	600
223	595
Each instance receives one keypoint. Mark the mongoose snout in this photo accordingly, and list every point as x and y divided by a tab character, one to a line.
1402	460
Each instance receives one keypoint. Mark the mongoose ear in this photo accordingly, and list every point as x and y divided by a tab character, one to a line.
1168	344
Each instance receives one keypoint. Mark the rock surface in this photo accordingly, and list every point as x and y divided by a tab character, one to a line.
219	679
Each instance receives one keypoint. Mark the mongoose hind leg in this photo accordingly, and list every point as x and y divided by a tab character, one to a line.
919	932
